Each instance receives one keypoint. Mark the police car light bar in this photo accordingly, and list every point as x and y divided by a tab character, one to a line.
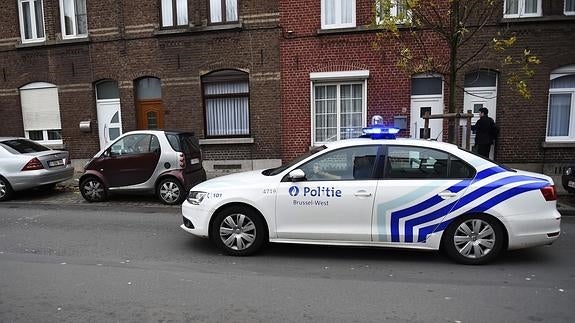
379	132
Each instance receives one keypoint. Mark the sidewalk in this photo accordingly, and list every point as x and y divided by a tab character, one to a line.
67	193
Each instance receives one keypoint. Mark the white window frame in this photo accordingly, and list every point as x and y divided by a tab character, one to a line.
45	141
75	33
35	38
393	12
569	70
337	78
568	13
180	10
521	10
338	24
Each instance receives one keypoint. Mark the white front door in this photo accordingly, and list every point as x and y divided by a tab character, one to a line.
475	99
420	105
109	121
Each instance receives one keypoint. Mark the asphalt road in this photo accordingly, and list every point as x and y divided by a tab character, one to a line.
97	264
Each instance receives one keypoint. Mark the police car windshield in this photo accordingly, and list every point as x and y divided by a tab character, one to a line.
275	171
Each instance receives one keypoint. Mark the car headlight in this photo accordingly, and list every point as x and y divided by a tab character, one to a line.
196	197
569	171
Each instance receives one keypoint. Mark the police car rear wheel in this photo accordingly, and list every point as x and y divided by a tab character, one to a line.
474	240
238	231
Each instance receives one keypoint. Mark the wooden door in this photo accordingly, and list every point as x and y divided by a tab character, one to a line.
150	114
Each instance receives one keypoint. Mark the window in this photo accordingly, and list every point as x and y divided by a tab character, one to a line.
223	11
570	7
397	9
561	120
74	18
352	163
419	162
174	13
522	8
135	144
226	103
31	20
41	113
337	14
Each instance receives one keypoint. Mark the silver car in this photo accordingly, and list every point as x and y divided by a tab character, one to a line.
25	164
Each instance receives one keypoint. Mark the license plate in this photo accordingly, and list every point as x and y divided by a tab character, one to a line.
57	162
571	184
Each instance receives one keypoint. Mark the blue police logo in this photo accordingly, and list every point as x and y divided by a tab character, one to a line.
293	191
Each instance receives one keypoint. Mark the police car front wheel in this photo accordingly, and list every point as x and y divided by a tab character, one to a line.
238	231
474	240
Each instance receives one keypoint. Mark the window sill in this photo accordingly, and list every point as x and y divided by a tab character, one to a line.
536	19
227	141
565	144
357	29
197	29
54	42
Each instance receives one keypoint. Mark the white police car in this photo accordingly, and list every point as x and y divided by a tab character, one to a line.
384	193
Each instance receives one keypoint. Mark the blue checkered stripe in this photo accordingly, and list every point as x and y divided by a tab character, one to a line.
489	188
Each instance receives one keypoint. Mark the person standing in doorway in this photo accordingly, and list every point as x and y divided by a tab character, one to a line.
485	132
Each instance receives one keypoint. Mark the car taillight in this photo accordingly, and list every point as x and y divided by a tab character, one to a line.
182	160
549	193
33	164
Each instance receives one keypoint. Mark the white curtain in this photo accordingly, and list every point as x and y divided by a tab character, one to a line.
531	6
215	10
351	111
167	19
231	10
512	7
227	116
325	113
559	114
182	9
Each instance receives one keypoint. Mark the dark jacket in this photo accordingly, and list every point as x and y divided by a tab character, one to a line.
485	131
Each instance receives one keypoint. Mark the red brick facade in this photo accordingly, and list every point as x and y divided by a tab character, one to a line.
306	48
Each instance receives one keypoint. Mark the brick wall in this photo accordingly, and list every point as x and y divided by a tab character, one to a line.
125	44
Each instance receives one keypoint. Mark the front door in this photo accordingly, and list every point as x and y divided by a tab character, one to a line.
150	114
421	105
336	200
109	121
475	99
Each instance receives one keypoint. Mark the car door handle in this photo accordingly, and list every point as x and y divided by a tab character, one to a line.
447	195
362	194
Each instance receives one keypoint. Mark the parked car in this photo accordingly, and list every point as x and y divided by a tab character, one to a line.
165	163
568	179
401	193
26	164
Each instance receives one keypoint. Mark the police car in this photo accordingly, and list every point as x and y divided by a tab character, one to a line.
379	192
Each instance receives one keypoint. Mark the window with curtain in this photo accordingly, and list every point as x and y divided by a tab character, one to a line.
223	11
337	14
31	15
74	19
226	103
570	7
338	111
522	8
174	13
561	114
393	8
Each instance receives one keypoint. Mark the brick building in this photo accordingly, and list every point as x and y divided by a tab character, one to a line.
333	81
206	66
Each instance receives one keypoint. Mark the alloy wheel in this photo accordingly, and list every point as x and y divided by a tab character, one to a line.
474	238
93	190
170	192
237	231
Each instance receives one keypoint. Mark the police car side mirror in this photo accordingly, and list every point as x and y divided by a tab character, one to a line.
296	175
